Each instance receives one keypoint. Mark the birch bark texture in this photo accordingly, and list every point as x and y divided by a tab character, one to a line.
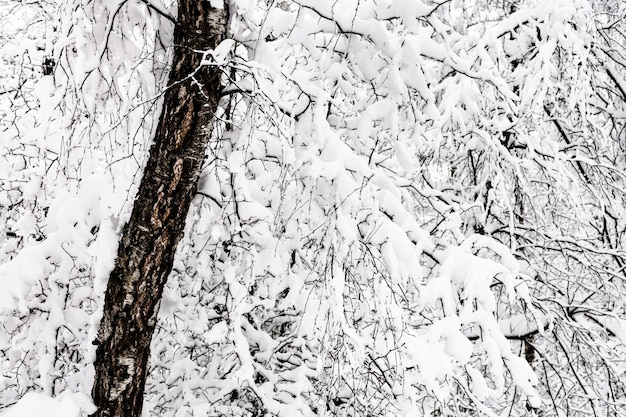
149	239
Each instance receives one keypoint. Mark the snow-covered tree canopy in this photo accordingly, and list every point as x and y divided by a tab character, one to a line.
408	207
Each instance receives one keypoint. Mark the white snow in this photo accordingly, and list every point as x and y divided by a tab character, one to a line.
34	404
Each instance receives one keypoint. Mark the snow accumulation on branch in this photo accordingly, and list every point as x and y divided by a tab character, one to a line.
406	207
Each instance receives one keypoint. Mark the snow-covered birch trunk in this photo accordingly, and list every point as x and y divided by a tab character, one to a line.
149	239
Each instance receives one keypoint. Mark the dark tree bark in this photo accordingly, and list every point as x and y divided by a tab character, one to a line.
149	239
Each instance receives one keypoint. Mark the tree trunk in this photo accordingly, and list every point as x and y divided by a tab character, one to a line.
149	239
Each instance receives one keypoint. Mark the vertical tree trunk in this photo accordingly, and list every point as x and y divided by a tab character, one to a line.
149	239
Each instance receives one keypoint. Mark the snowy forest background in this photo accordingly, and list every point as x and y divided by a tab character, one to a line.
408	208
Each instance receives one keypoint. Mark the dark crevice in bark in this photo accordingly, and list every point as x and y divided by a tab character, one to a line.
148	242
